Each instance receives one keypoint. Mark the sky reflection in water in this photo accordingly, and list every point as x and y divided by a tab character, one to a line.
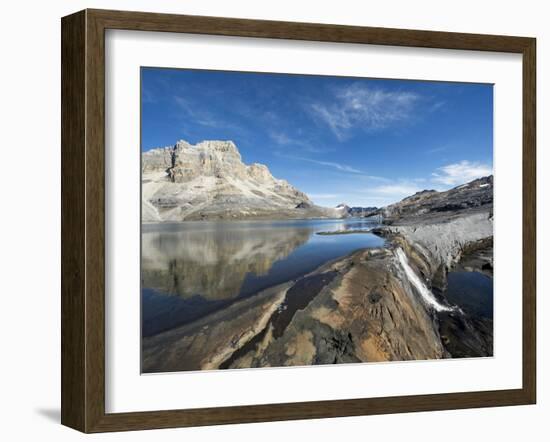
191	269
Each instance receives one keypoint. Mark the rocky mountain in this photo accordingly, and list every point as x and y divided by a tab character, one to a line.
210	181
343	210
363	212
431	205
358	212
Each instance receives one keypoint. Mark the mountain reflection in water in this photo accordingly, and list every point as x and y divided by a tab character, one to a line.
190	269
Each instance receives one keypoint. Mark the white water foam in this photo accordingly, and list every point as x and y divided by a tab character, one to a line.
424	291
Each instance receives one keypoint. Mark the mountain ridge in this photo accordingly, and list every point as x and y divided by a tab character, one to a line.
432	205
209	180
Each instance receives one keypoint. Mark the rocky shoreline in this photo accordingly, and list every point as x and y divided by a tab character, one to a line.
379	304
360	308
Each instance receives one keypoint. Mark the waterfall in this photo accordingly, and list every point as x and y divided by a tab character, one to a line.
424	291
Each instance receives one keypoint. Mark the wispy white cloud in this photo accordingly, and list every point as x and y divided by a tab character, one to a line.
398	190
392	192
284	140
280	138
147	95
370	199
324	196
339	166
375	178
202	117
199	117
437	149
442	179
460	173
437	105
366	107
357	173
352	199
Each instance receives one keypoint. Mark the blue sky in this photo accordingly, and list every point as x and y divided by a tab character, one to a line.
364	142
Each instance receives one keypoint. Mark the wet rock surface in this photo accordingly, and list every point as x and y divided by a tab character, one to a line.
470	285
364	315
384	304
444	234
353	310
209	341
477	257
465	337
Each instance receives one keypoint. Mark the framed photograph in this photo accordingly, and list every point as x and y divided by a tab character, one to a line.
269	220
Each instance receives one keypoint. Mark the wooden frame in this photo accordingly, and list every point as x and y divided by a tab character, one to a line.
83	216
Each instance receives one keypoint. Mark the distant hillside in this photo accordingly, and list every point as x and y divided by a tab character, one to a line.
363	211
475	196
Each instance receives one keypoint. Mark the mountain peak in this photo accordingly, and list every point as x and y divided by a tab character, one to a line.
209	180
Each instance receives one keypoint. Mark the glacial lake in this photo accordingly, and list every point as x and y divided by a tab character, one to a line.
472	292
193	268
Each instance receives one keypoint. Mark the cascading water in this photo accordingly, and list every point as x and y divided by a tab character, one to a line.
424	291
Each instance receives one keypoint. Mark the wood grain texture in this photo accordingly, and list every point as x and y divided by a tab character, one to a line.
73	130
145	21
95	222
529	221
83	220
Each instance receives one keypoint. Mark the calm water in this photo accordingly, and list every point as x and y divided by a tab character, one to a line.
193	268
471	291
